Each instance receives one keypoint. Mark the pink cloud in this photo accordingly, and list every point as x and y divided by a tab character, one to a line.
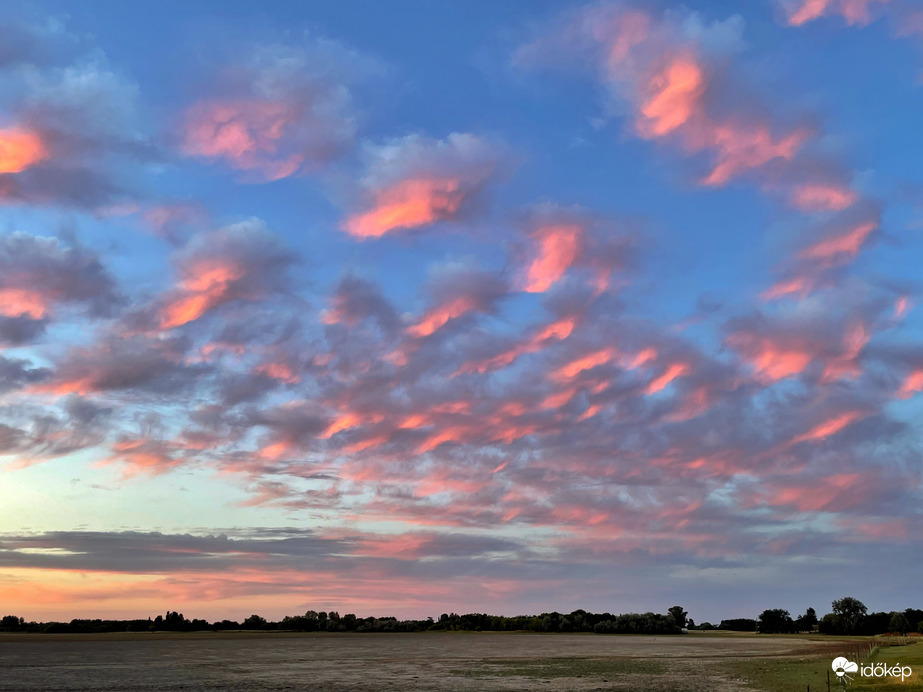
208	284
409	204
823	197
840	247
829	427
799	286
558	247
773	359
660	382
563	240
241	262
538	340
902	306
416	181
673	97
801	12
912	384
244	134
440	315
277	110
16	302
846	363
835	492
142	455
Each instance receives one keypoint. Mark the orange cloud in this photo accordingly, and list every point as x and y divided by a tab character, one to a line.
246	134
408	204
558	248
19	150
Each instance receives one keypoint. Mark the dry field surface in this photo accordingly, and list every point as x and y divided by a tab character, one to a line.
455	662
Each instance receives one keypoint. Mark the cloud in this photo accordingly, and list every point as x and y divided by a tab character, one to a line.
77	138
40	276
534	342
52	432
151	366
823	197
830	246
279	110
800	12
16	373
242	262
788	346
34	43
912	384
416	181
356	300
19	150
667	70
562	238
457	291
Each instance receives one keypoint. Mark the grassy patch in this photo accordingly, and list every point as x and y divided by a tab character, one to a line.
782	674
911	655
795	674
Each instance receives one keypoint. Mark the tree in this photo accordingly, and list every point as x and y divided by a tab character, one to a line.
679	615
254	622
775	621
851	612
12	622
899	623
806	622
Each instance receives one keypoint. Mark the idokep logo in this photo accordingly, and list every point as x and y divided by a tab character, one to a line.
843	667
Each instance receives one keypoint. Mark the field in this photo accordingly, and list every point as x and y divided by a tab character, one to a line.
456	662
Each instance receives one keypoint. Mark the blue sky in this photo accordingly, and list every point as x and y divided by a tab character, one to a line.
464	307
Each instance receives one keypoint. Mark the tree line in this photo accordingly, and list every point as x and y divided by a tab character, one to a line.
849	616
671	622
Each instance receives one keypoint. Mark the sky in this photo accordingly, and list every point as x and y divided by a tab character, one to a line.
409	308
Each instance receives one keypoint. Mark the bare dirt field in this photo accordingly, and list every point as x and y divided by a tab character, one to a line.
456	662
